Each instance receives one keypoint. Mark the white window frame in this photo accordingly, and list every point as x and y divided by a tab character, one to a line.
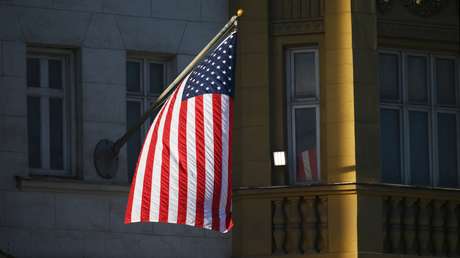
145	97
67	94
432	108
294	104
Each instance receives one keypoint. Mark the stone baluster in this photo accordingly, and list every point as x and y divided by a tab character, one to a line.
307	212
452	228
387	212
424	227
417	225
278	227
395	221
445	227
457	218
437	228
431	226
324	224
410	225
293	226
402	225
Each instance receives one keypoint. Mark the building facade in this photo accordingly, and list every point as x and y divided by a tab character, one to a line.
73	73
362	96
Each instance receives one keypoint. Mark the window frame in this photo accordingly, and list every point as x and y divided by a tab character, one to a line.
144	97
293	103
68	94
431	107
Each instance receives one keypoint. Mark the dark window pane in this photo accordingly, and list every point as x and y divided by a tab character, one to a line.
55	74
305	141
445	81
447	149
156	78
34	132
389	76
304	75
417	79
419	144
33	72
133	76
153	115
390	144
133	114
56	134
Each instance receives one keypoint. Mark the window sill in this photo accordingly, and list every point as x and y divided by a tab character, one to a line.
68	185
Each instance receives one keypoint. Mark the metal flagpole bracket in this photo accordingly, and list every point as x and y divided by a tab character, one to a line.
106	152
105	160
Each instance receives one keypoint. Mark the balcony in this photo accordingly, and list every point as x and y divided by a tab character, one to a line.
311	221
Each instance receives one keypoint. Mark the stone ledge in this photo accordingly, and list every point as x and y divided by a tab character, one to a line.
68	185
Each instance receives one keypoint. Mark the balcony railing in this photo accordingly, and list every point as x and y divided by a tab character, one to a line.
422	221
308	221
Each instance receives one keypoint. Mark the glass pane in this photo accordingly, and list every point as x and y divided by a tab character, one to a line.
56	134
447	150
445	81
55	74
417	79
390	144
133	114
389	76
419	144
304	75
156	78
33	72
133	76
34	132
153	115
305	145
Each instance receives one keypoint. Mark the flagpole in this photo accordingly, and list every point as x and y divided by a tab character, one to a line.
106	152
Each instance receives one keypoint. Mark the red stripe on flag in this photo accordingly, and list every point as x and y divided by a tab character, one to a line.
229	221
313	164
182	142
217	128
146	189
200	160
166	152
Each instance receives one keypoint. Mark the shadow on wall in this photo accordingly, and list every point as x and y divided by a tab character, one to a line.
5	255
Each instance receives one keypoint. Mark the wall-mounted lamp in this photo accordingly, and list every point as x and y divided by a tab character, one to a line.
279	158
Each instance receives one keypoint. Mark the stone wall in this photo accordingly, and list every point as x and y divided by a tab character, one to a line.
77	222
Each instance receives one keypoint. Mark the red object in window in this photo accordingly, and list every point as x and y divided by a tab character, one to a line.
307	169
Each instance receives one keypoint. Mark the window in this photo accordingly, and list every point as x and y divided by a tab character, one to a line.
419	118
145	80
303	114
49	112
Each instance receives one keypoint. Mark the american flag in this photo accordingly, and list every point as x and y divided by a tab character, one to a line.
183	173
307	169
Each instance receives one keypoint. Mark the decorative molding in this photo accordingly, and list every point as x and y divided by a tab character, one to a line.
297	27
61	185
424	8
417	31
296	9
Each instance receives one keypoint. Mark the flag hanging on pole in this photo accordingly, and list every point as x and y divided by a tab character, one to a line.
183	173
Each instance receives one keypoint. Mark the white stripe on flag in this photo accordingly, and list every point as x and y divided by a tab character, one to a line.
209	159
223	192
191	163
306	165
174	158
156	170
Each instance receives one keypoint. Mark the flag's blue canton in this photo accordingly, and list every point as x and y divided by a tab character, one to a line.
215	74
